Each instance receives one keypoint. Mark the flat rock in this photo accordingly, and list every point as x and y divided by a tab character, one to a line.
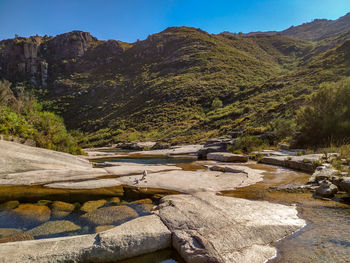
127	169
53	227
47	176
227	157
211	228
304	163
110	215
16	158
195	181
139	236
88	184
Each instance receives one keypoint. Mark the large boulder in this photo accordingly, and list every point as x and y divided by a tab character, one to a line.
227	157
137	237
208	228
110	215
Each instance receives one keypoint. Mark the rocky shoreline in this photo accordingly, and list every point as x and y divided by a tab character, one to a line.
200	225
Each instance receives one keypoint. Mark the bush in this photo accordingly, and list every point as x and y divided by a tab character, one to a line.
22	116
326	119
247	144
283	128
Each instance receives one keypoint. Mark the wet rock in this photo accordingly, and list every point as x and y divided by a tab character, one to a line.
61	209
344	184
90	206
211	228
4	232
322	174
143	209
44	202
226	169
114	200
15	238
8	205
25	215
326	189
110	215
53	227
99	229
142	201
227	157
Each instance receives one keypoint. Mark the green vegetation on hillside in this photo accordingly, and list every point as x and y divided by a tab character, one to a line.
22	116
326	118
182	84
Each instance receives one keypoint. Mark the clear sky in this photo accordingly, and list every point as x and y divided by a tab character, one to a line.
129	20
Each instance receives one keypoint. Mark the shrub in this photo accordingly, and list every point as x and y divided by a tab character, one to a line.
283	128
248	144
326	118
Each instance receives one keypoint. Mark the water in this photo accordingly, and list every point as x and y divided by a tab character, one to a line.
325	239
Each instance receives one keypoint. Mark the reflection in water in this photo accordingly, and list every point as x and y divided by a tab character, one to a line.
326	238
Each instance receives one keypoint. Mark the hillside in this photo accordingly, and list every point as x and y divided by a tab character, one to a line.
164	86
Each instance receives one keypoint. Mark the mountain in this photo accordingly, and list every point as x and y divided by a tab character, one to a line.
164	86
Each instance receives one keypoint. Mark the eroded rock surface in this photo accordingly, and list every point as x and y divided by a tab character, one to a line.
140	236
211	228
227	157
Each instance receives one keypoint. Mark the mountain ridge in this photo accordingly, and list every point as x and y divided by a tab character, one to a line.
163	87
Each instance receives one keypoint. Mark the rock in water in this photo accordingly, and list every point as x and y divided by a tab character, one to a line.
53	227
61	209
326	189
8	205
110	215
90	206
25	215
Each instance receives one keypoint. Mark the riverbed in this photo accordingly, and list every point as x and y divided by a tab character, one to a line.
325	238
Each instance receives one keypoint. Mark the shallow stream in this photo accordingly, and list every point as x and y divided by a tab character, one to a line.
326	238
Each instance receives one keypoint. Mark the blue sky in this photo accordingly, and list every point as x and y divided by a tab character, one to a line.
129	20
